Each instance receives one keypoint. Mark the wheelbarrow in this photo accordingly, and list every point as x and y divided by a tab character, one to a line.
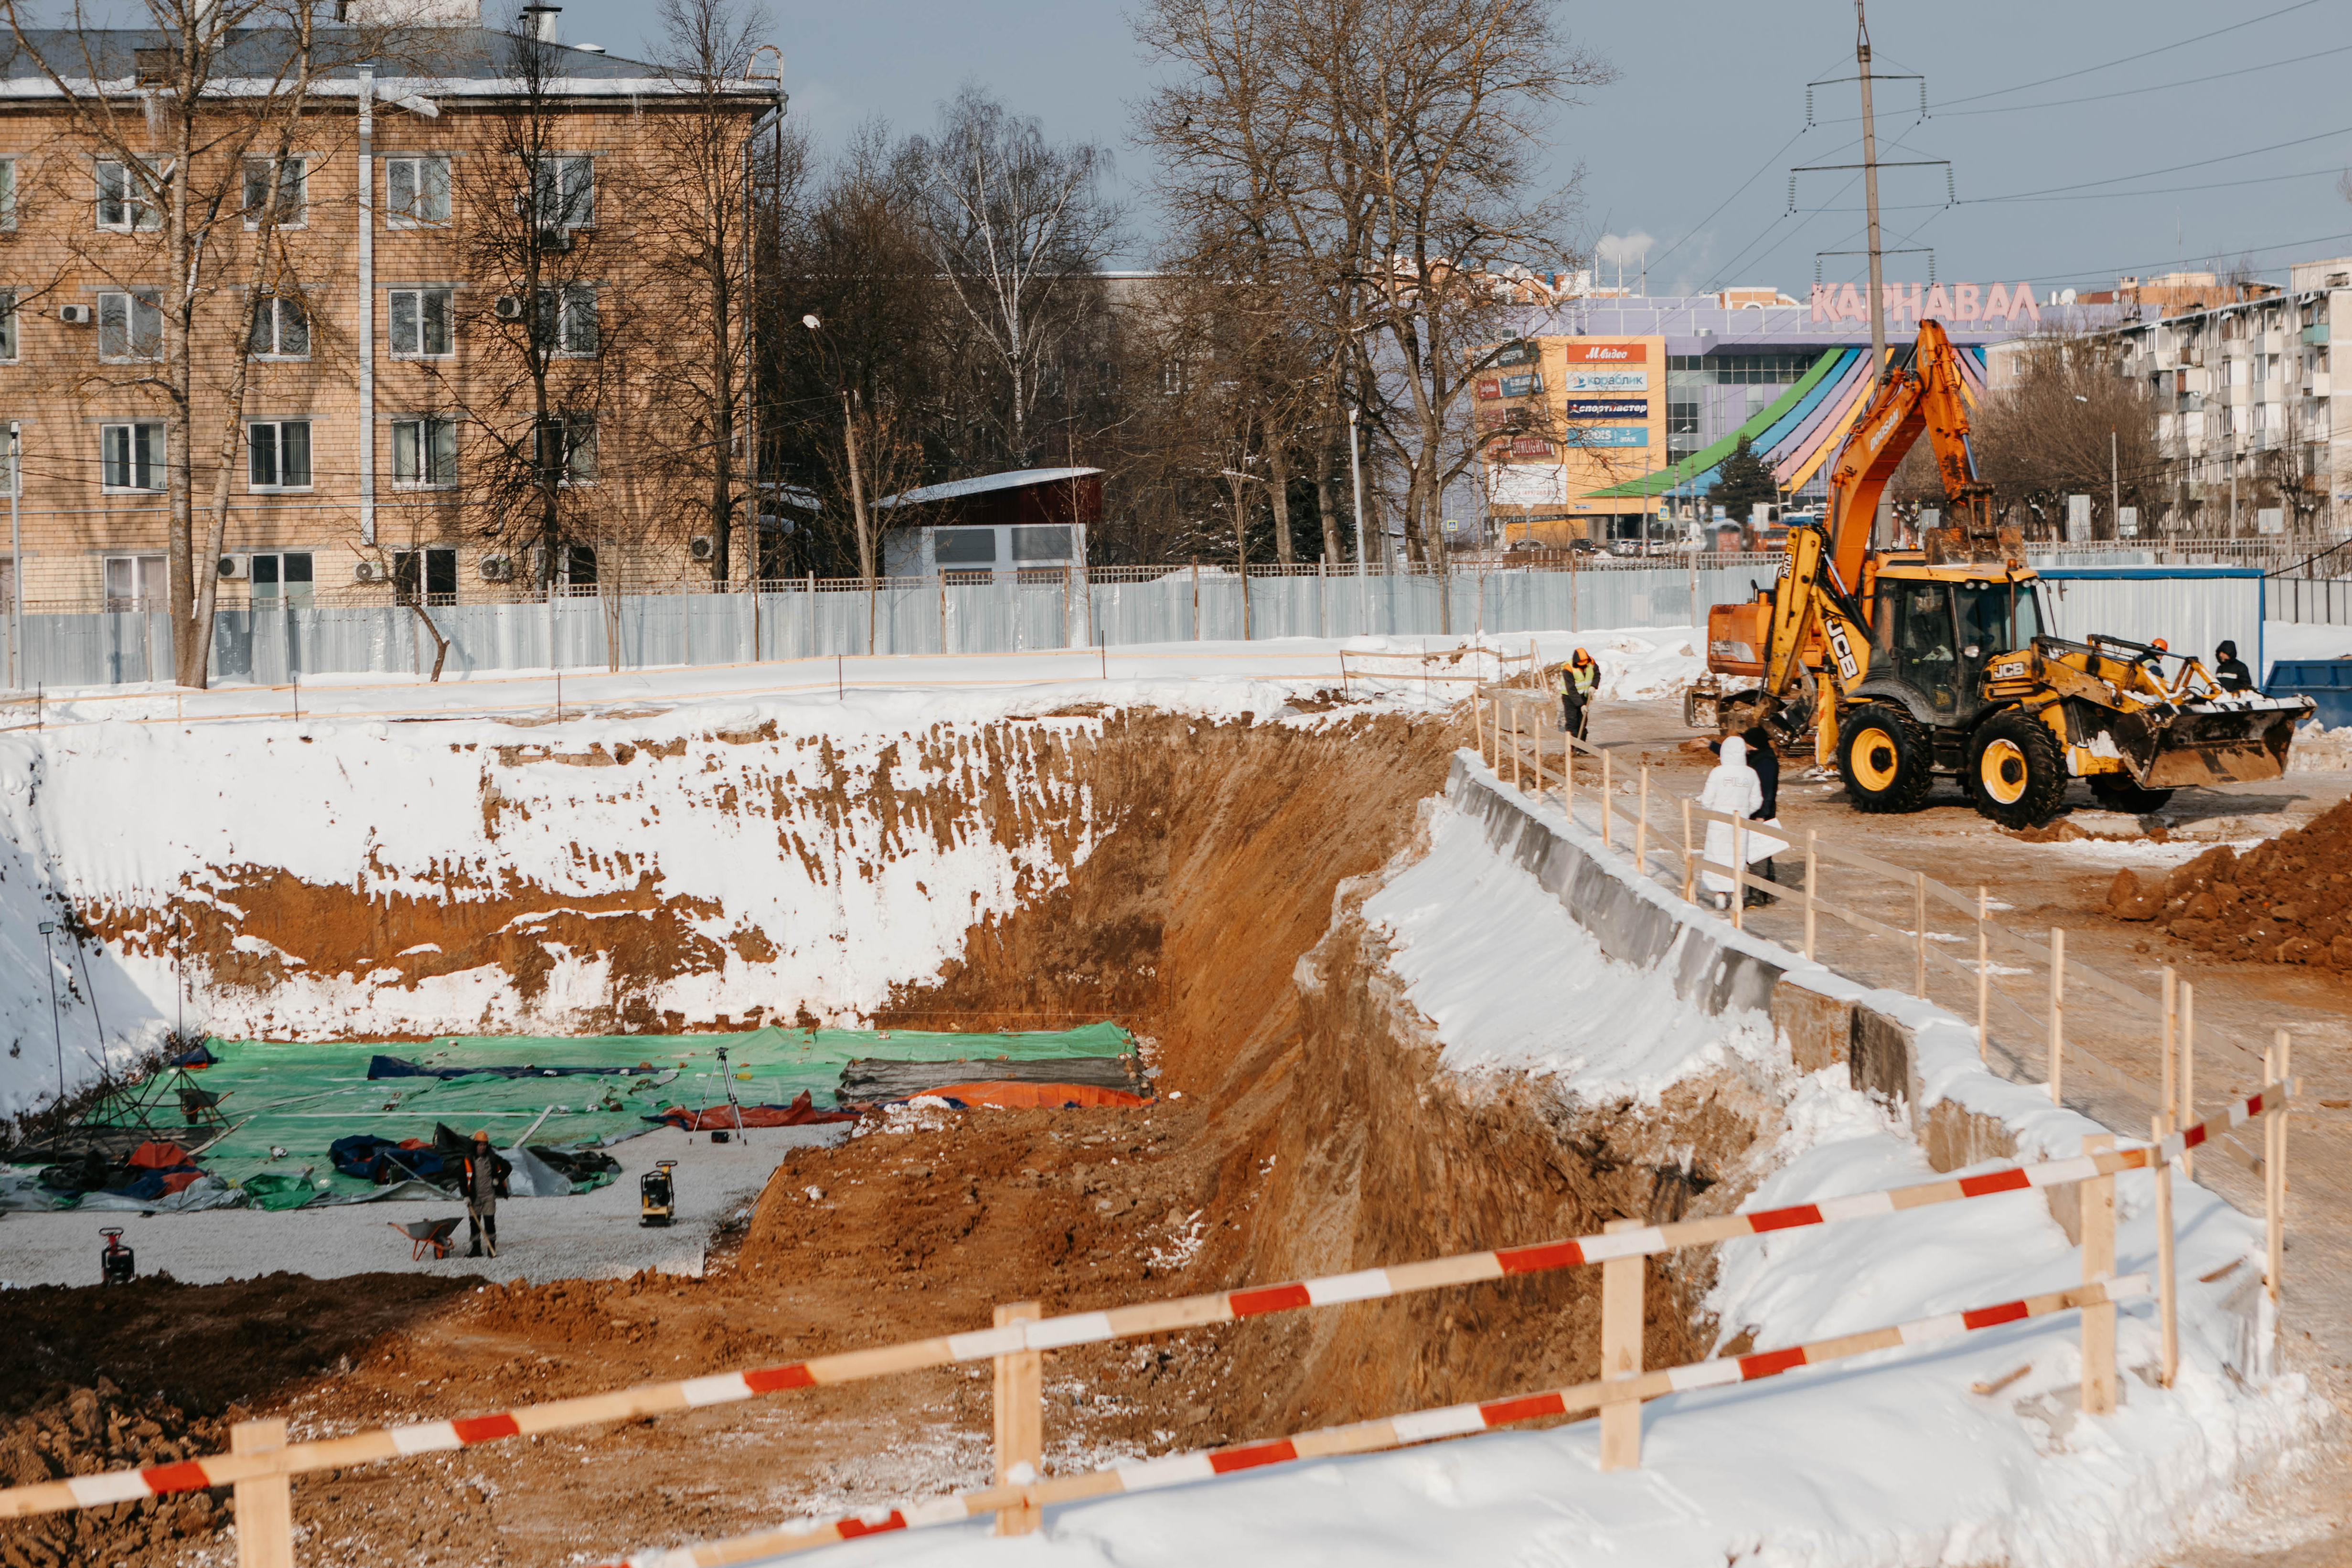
435	1236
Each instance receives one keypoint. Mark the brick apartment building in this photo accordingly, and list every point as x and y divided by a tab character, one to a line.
439	220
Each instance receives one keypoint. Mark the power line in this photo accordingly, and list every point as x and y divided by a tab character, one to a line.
2143	54
2161	86
2151	174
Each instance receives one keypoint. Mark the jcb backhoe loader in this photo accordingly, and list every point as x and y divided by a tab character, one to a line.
1905	664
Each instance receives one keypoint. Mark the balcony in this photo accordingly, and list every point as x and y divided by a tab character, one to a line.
2314	336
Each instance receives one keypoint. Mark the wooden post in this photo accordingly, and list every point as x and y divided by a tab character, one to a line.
2168	1303
1690	856
2170	1101
1537	759
1641	826
2057	1015
1478	709
1514	745
1984	977
1606	789
1568	768
1920	933
1738	877
1620	1352
2188	1072
265	1505
2098	1199
1813	865
1020	1421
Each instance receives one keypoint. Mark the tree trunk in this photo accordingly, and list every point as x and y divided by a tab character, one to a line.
1323	504
1278	464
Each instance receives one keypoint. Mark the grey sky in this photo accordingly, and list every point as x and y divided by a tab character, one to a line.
1707	92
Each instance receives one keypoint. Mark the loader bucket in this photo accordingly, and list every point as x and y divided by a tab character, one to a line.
2214	740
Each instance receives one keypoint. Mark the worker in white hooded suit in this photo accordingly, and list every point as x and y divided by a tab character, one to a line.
1734	790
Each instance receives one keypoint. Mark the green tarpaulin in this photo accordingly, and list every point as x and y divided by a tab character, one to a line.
301	1097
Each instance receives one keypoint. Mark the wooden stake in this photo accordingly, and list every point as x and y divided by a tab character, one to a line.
2274	1164
1641	826
2170	1103
1690	856
1542	714
1738	877
1920	933
1478	712
1984	977
1020	1419
1514	745
1621	1353
2168	1300
2057	1015
2098	1201
2188	1072
1813	865
1606	789
265	1505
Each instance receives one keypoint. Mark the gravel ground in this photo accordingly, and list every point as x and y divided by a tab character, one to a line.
592	1236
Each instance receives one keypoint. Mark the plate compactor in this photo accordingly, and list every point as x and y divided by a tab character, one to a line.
658	1195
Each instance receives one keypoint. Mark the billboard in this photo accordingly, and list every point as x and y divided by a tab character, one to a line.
1522	386
1519	353
1526	485
1609	408
1589	353
1609	435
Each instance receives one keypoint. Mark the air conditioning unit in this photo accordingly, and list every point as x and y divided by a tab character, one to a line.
497	568
367	572
510	307
555	239
702	547
74	315
233	567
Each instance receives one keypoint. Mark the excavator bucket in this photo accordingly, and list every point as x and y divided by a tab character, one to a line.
2211	740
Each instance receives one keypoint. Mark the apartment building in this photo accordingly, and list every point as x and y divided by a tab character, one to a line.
446	358
2245	403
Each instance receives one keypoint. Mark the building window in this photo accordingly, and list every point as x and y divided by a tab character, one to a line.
420	323
8	325
425	452
1682	418
7	193
136	582
569	446
132	456
123	203
1172	377
282	328
567	320
281	578
563	192
417	193
429	573
279	454
130	327
293	208
579	573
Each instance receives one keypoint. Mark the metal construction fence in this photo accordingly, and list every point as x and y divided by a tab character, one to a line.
2195	607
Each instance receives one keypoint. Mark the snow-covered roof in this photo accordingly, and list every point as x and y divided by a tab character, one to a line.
955	489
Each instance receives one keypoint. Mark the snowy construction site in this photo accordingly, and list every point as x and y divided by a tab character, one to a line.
1221	1102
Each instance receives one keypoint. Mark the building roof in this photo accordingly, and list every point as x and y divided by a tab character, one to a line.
957	489
430	61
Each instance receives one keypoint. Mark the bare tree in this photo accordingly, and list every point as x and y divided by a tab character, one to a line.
1014	225
2068	425
694	214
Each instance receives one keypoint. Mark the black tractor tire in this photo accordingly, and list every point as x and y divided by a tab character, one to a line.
1886	757
2016	774
2117	792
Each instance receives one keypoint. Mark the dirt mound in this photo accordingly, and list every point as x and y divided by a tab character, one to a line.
2285	901
87	1430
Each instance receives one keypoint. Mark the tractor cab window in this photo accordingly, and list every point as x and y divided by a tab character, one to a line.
1995	618
2025	618
1925	654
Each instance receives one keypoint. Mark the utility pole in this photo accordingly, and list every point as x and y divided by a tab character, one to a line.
1869	197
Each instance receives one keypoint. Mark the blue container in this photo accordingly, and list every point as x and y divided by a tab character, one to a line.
2326	682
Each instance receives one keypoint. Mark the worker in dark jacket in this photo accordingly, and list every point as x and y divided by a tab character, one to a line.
1766	764
484	1173
2230	670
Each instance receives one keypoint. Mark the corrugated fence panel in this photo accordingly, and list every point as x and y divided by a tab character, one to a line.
2191	613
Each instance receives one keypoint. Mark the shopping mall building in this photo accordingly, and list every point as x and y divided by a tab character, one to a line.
1611	415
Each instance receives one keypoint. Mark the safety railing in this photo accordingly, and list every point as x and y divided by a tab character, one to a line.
1516	749
261	1462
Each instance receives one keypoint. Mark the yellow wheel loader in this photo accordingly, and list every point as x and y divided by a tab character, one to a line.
1907	664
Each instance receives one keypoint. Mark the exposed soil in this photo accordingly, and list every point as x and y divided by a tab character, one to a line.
1306	1128
2285	901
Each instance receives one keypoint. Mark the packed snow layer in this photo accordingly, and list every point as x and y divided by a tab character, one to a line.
2295	640
1497	964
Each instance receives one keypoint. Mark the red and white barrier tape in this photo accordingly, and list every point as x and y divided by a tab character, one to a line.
1090	1328
1394	1431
